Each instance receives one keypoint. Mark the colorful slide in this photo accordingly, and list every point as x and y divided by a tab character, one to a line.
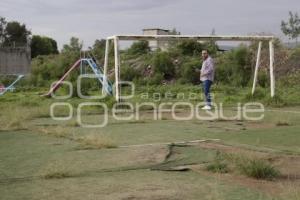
97	71
11	86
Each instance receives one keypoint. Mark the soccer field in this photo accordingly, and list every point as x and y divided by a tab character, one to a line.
42	158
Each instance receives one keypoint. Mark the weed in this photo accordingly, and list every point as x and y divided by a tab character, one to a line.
56	170
219	164
96	142
283	123
258	169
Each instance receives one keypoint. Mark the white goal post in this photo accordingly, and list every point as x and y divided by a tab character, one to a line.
116	38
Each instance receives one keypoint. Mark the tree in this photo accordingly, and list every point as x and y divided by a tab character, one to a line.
70	53
292	27
74	46
54	46
163	64
174	32
190	47
98	49
16	34
187	71
13	33
41	45
173	43
139	48
212	45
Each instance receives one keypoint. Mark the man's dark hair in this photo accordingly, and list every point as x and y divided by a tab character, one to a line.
205	50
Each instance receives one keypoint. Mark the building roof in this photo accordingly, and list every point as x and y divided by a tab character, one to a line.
158	29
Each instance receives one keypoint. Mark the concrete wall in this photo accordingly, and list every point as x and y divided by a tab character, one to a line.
15	60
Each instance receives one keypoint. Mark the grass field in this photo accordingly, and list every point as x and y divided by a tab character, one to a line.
41	158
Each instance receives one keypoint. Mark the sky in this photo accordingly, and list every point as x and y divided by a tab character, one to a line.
95	19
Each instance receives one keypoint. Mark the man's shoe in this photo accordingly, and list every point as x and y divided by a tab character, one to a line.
207	107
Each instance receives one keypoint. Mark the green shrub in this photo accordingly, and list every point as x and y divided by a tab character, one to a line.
234	67
163	64
109	101
259	94
230	90
258	169
87	85
283	123
129	73
57	175
139	48
156	79
188	73
190	47
277	100
293	60
212	47
223	73
290	80
218	165
263	79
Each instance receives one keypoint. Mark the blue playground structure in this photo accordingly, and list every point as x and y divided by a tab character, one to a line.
107	85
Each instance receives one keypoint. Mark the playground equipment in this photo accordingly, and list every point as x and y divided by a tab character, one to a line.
11	87
117	38
107	86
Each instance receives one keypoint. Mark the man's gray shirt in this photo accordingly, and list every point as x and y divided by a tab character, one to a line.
208	69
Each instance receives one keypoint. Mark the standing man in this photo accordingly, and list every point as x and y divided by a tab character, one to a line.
207	74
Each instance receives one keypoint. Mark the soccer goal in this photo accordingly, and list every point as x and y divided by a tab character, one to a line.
117	38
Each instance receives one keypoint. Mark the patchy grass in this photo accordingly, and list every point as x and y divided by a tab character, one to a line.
96	142
24	153
13	119
56	131
16	117
56	170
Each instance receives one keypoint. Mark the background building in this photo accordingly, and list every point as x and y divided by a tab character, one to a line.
15	60
155	44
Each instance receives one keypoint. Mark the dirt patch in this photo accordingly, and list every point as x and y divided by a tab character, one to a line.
149	154
260	125
288	165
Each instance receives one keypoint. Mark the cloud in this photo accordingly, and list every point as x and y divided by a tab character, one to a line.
71	7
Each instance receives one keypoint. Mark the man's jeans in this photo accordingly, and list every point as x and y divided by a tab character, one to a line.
206	88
